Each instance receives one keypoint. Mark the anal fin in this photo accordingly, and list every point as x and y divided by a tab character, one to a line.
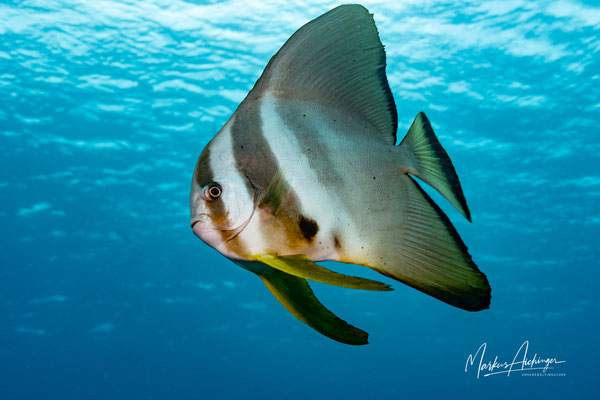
425	252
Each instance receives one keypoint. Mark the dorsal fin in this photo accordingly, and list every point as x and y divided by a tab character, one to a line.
338	61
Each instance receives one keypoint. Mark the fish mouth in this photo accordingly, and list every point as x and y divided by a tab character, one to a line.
197	218
226	234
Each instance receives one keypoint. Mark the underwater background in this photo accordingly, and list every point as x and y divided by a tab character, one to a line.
106	293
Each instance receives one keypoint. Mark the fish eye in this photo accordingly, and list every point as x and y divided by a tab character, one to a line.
212	191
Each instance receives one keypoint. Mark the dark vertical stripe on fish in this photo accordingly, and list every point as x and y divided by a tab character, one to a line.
301	123
203	175
255	160
251	152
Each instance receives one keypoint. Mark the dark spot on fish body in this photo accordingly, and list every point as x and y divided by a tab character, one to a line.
336	242
308	227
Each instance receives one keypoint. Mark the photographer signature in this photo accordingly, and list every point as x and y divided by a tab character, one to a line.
520	362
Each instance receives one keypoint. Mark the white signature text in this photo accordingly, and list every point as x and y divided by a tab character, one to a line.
520	362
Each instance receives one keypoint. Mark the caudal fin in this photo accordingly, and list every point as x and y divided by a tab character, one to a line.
432	164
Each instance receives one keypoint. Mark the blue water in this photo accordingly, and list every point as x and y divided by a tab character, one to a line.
106	293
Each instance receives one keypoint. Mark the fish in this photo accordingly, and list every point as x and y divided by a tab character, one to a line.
307	169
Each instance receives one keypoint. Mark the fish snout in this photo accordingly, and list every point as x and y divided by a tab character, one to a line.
204	229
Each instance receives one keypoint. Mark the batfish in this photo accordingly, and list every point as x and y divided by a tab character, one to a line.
307	169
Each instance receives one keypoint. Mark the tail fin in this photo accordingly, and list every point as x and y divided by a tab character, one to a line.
432	164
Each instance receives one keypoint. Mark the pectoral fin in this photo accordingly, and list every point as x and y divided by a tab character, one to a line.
297	297
274	193
301	266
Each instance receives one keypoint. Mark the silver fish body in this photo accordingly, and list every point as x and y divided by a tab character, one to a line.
307	169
